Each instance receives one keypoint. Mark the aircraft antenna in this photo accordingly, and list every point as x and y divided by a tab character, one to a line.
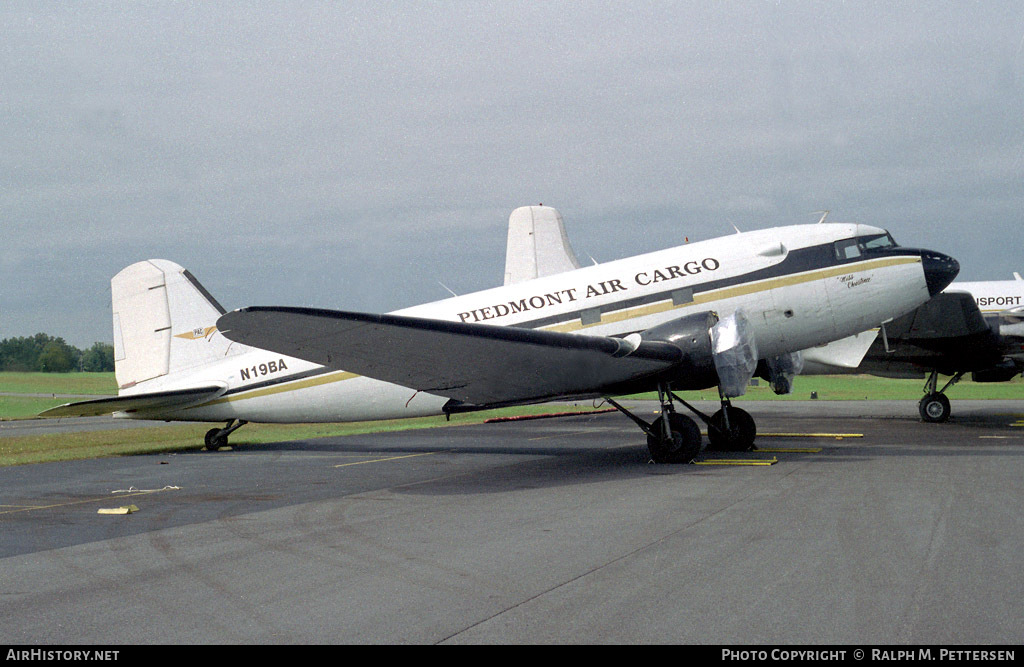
446	287
824	214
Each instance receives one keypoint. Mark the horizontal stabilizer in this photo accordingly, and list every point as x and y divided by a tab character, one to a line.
178	398
473	363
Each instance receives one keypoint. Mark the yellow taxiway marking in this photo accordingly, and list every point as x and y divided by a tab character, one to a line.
789	450
737	462
837	436
387	458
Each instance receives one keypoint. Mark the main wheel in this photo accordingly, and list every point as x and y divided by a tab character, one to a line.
682	447
740	434
934	408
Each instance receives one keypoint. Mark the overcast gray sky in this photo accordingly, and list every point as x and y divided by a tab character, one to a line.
355	155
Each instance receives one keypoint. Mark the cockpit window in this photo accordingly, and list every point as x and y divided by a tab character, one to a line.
877	241
848	249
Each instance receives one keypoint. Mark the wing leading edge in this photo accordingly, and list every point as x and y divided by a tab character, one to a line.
473	363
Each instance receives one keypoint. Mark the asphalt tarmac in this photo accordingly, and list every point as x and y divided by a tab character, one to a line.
859	525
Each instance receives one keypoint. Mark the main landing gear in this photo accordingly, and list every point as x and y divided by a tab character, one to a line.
934	406
218	437
675	438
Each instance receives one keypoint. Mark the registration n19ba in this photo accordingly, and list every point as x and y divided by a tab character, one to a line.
699	315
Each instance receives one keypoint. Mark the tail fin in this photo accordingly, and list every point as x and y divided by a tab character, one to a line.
537	245
164	323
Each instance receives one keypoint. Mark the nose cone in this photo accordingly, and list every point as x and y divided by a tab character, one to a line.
939	270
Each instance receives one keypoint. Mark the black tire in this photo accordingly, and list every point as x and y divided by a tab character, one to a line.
740	435
684	445
214	440
934	408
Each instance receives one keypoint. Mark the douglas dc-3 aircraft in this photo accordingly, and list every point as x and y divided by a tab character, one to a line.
695	316
975	327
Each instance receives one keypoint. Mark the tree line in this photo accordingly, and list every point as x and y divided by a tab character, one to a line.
44	353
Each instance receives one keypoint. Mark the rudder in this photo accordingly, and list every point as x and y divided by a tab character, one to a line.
164	323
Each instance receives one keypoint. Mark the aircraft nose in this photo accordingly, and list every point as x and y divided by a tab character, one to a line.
939	270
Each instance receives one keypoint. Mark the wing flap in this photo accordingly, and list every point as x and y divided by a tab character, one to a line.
157	400
474	363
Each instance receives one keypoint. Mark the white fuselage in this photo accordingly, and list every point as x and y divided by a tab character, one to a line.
790	306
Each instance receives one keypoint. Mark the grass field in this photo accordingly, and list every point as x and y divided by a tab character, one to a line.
24	395
100	384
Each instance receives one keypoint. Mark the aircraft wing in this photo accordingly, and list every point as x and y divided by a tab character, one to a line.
473	363
178	398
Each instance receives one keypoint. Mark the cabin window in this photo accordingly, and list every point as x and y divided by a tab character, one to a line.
681	296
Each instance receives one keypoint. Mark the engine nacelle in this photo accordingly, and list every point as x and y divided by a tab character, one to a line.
779	371
715	352
1001	372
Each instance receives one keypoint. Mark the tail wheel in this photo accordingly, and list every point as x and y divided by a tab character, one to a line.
218	437
737	436
683	445
214	440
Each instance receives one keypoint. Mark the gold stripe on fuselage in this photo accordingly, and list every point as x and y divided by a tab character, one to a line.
734	291
285	386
